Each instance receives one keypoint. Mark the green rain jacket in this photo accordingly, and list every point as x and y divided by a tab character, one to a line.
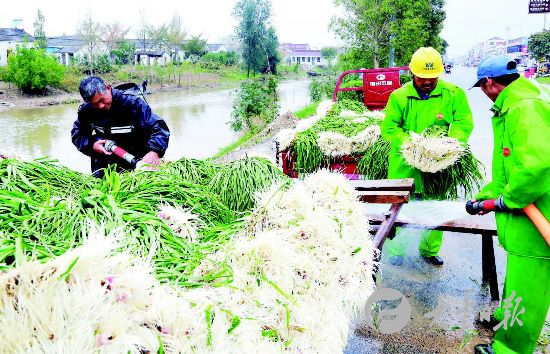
521	164
406	111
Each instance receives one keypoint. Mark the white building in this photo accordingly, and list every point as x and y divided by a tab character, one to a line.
301	54
9	39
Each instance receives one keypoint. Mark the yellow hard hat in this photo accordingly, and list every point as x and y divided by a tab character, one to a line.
426	63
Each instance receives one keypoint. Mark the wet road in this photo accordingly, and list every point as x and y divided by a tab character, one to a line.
454	290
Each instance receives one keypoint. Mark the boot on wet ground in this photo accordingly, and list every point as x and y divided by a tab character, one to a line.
434	260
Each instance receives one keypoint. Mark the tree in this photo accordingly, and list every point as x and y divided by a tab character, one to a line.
366	26
539	45
113	34
195	47
329	53
255	35
372	26
32	70
417	24
124	53
142	32
40	40
91	33
270	46
176	35
158	36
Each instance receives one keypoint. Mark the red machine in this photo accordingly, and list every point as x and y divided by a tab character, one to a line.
377	86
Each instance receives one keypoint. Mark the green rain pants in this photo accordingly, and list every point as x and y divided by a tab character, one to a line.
429	245
530	279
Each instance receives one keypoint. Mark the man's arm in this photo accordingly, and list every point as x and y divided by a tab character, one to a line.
529	178
159	134
463	122
82	138
156	130
392	125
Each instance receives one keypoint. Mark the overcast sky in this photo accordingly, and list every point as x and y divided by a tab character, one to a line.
299	21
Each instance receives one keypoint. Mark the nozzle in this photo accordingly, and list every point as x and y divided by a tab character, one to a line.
120	152
488	205
474	208
110	145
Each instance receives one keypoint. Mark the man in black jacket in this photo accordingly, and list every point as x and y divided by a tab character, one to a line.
111	114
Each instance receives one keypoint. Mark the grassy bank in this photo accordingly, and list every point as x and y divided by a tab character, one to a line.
307	111
250	138
184	75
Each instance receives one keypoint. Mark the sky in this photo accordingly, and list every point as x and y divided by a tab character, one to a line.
297	21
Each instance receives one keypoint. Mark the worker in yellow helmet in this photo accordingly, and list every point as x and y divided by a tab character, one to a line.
417	105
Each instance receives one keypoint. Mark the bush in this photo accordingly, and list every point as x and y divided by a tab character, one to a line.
71	79
32	70
256	104
102	63
354	59
287	69
3	73
124	53
321	89
224	58
352	95
404	78
210	65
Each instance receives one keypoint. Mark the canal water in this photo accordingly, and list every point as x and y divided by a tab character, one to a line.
197	121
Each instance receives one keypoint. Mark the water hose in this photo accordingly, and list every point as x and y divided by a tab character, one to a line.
111	146
497	205
539	220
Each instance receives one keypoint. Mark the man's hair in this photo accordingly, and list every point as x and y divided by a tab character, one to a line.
506	80
90	86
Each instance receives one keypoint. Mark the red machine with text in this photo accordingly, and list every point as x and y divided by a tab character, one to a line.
377	86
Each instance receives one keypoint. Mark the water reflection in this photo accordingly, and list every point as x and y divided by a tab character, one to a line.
197	120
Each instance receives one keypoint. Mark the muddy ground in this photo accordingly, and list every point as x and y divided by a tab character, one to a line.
11	96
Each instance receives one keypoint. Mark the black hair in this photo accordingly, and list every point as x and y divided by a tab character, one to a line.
506	80
90	86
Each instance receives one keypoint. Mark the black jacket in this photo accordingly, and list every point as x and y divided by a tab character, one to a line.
129	122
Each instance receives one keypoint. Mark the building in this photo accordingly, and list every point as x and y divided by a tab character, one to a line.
517	48
152	57
495	46
64	48
9	39
301	54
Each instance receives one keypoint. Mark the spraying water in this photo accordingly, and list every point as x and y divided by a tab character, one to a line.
428	213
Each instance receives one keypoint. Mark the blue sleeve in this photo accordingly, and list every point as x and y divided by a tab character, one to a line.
156	128
82	138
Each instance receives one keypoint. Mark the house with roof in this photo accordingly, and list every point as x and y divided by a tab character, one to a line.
302	54
64	48
9	39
